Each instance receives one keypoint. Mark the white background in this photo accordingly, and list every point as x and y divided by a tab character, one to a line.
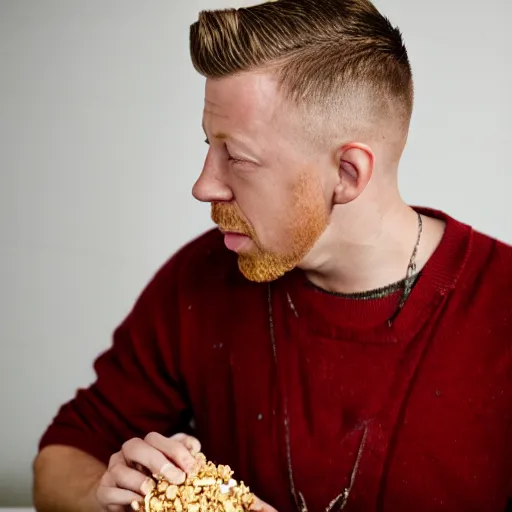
100	143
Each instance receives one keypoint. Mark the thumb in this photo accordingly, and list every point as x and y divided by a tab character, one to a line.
260	506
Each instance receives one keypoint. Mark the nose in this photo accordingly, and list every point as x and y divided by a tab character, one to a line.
211	185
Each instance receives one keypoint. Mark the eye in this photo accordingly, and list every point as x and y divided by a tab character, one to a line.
233	159
230	158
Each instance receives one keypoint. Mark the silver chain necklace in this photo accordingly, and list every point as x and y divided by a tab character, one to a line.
341	499
410	273
298	497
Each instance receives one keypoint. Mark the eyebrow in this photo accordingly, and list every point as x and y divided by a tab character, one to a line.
224	136
219	135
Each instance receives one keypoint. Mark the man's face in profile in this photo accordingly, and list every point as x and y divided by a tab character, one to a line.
265	189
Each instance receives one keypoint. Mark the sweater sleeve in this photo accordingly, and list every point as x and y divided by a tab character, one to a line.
137	388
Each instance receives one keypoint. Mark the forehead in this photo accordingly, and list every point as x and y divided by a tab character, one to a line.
242	101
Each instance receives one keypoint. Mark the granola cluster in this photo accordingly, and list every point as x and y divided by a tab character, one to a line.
209	489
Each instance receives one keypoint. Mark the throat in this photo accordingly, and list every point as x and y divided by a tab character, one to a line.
366	268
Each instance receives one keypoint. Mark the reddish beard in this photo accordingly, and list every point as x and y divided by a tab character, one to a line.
301	229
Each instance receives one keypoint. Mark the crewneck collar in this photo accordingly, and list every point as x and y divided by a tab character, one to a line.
348	319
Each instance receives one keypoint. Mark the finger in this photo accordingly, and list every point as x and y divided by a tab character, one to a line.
137	506
175	450
109	496
141	469
260	506
116	508
131	479
190	442
115	459
138	451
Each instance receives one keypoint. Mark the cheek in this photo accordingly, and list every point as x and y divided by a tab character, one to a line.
278	226
271	223
278	213
263	207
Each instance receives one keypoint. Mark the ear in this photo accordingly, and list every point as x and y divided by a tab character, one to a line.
355	167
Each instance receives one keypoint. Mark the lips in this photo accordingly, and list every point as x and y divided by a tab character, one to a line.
235	241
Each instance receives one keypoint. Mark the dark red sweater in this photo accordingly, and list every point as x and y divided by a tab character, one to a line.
434	390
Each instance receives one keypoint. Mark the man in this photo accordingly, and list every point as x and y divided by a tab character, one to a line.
345	350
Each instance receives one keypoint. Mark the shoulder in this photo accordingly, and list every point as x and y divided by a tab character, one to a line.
475	252
476	265
492	256
487	279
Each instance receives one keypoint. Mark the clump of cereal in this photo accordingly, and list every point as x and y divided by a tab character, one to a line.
210	488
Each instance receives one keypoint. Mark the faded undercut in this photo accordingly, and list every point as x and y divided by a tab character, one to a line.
339	59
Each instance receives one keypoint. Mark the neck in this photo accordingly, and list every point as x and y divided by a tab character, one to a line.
363	250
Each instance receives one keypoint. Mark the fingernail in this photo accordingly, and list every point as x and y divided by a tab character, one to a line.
173	474
147	486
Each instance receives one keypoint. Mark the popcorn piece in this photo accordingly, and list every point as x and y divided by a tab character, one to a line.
228	506
171	492
224	472
162	485
210	488
155	504
225	488
205	482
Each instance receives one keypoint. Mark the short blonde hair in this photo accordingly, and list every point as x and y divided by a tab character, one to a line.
337	57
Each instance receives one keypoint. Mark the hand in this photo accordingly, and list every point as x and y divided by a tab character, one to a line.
260	506
128	476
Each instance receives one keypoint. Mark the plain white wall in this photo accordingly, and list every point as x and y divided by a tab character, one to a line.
100	143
